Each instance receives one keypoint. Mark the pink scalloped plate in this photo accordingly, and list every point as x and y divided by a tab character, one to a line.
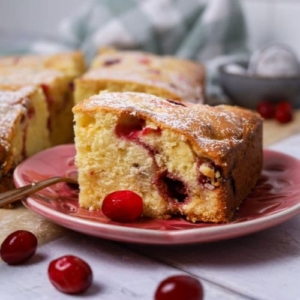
275	199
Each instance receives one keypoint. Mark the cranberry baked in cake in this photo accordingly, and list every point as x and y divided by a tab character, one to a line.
195	161
122	71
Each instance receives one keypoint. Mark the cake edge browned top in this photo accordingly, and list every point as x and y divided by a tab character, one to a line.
212	130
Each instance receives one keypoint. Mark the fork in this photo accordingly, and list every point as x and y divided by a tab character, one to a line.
19	193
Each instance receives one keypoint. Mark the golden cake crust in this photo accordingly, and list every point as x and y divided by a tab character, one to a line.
212	130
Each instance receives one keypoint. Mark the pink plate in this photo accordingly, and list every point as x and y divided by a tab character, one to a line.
275	199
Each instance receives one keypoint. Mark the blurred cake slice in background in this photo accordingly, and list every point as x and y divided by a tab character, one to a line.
55	75
122	71
70	63
23	129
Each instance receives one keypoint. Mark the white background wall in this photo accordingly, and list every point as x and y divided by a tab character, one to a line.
267	20
273	21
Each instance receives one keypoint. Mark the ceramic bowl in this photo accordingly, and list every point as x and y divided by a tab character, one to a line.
246	90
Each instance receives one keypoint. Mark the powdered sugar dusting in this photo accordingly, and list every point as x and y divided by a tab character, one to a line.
27	76
213	128
13	106
12	97
9	116
28	60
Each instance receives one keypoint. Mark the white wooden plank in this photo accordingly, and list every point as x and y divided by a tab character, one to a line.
119	273
265	265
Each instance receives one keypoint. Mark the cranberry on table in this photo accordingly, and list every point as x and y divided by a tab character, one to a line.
122	206
70	274
266	109
284	112
179	287
18	247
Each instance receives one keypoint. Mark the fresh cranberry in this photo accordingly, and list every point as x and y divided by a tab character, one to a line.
266	109
70	274
18	247
179	287
122	206
284	112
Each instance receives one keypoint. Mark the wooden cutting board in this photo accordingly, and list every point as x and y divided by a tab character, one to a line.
275	132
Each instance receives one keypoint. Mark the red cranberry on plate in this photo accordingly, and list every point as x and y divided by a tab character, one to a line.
122	206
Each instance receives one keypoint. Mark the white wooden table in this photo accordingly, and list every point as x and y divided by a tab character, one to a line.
264	265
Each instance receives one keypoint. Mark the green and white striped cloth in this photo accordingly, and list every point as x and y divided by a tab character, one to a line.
211	31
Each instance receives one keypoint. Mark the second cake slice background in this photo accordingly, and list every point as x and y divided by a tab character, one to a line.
163	76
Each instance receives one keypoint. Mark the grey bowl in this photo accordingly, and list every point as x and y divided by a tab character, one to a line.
247	90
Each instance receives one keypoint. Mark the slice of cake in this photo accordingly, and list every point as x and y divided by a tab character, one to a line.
54	75
164	76
23	129
196	161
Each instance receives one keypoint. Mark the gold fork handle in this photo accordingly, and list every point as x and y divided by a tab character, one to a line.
18	193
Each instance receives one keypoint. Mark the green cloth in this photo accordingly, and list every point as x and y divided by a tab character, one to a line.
211	31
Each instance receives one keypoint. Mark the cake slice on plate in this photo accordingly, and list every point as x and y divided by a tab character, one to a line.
195	161
121	71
